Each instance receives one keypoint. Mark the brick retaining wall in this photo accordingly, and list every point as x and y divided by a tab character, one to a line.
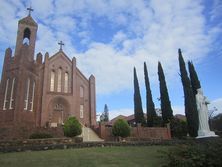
137	133
22	132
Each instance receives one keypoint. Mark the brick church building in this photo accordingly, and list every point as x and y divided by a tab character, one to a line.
46	90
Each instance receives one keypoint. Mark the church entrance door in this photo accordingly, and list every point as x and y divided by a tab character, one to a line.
59	111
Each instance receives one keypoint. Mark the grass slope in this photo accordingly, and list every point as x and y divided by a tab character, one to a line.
148	156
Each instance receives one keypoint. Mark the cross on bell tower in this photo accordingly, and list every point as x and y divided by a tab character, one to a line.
61	44
30	10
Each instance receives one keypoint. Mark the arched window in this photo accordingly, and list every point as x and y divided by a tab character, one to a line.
11	96
5	97
59	85
66	84
52	81
26	36
81	111
81	91
27	94
33	95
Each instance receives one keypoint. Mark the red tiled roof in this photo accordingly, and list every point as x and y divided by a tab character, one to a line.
180	117
116	118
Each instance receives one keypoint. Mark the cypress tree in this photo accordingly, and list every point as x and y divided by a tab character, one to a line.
150	108
190	105
193	78
138	110
167	112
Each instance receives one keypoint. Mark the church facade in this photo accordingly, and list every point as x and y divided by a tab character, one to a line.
43	93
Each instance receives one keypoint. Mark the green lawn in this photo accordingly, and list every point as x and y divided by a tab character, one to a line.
146	156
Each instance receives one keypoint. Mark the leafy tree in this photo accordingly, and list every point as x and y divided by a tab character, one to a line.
193	78
138	110
178	128
121	128
150	108
72	127
105	115
167	112
190	104
216	122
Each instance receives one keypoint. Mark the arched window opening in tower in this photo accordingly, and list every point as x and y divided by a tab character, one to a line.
26	36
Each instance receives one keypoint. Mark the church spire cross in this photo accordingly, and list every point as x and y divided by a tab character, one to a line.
30	10
61	44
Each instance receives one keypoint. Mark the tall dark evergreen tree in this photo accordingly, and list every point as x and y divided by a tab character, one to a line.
150	108
190	105
105	115
167	112
193	78
138	109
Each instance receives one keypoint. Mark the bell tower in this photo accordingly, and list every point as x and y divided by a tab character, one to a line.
26	35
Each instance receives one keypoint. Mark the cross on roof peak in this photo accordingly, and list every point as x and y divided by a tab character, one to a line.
61	44
30	10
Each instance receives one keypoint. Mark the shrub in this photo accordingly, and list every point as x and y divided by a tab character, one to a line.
206	153
39	135
216	122
72	127
121	128
178	128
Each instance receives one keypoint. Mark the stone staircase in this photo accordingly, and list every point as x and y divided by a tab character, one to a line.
89	135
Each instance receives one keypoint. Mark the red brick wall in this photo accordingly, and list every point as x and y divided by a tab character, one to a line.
138	132
22	132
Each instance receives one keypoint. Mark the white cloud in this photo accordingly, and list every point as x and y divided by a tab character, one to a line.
178	110
42	9
217	103
145	31
217	7
65	24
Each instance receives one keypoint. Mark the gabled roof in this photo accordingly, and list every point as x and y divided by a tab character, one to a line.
29	21
59	53
111	122
129	118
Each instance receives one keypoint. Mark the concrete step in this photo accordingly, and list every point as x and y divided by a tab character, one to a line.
89	135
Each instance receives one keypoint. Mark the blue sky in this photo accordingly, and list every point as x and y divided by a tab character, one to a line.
110	37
